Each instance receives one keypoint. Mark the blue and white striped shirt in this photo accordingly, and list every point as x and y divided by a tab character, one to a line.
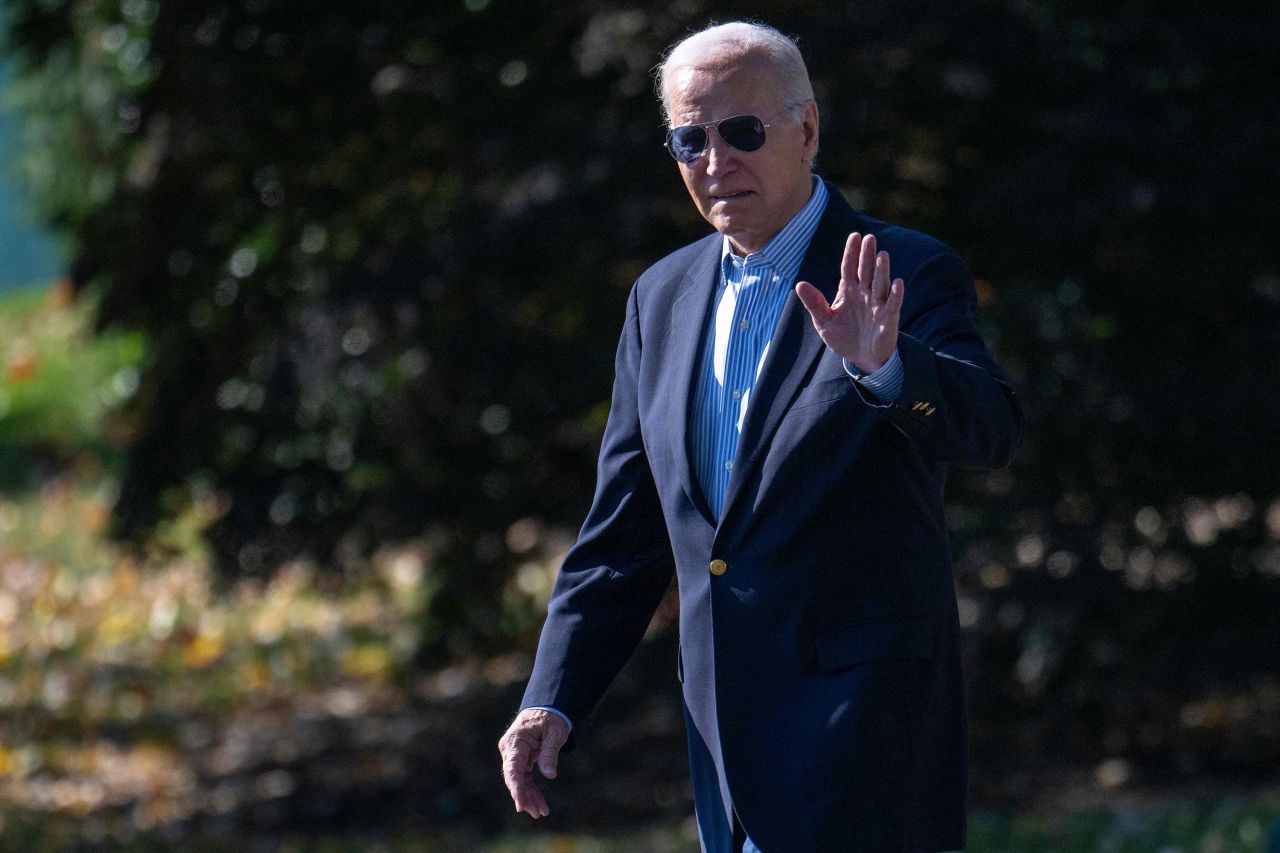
753	291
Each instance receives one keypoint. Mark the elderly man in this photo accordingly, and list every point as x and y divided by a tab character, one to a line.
783	418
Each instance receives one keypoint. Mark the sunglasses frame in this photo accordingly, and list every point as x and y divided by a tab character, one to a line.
671	133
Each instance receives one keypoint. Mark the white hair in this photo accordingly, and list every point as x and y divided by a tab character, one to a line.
738	40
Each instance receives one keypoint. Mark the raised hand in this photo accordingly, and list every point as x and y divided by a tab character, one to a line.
861	323
535	736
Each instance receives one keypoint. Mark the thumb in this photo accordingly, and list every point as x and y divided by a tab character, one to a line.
814	301
549	752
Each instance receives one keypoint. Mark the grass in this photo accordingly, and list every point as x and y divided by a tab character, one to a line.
1215	825
1226	825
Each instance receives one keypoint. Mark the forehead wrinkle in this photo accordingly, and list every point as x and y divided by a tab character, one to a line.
751	76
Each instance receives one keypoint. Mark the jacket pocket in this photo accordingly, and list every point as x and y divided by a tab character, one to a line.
895	638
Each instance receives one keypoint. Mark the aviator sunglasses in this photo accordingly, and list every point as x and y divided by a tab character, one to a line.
687	142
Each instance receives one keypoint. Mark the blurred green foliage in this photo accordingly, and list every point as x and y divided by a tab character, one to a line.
60	383
139	694
378	255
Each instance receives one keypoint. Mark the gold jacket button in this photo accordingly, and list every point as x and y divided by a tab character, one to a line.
719	567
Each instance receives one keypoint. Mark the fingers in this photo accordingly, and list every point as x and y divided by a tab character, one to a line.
549	754
880	279
517	749
863	270
535	735
815	303
849	263
867	264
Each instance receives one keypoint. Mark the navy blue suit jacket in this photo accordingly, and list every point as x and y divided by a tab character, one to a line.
823	691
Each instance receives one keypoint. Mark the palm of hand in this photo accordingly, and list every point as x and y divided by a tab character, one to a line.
861	323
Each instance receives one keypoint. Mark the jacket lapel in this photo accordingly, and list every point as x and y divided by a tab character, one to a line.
795	347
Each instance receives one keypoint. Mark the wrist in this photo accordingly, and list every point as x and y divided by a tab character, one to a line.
864	366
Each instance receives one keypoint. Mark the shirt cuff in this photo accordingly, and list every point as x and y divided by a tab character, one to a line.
559	714
885	383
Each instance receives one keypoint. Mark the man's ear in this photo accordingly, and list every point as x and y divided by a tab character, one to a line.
809	127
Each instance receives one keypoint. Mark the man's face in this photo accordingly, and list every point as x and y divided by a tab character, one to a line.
747	196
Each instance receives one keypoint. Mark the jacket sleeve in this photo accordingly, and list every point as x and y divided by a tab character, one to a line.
955	403
615	575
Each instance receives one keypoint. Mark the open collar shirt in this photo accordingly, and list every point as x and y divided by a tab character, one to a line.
752	292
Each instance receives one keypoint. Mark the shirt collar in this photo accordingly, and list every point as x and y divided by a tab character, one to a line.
786	250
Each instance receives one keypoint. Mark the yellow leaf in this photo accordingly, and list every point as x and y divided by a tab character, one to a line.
203	650
366	661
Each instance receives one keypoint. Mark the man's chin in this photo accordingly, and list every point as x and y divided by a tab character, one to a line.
744	237
729	222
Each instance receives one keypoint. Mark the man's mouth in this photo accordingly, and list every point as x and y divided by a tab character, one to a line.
727	196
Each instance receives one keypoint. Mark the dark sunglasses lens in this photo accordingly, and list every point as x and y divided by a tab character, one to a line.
746	133
686	143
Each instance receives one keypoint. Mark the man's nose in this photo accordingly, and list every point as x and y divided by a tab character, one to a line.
721	157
